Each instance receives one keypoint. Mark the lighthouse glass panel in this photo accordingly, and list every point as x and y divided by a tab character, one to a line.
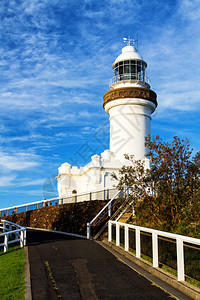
129	70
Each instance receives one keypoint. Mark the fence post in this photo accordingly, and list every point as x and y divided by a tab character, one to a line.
88	231
109	231
109	210
27	208
22	238
126	234
155	249
6	243
117	235
137	240
4	226
180	259
25	237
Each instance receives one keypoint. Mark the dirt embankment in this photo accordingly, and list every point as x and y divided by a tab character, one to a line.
72	217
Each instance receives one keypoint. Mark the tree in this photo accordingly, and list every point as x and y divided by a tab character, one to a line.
170	189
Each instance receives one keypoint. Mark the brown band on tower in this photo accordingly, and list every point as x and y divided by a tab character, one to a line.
130	92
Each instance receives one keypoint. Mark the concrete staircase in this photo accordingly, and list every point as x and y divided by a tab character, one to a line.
125	217
125	209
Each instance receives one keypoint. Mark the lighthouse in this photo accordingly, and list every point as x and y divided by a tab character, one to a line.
129	103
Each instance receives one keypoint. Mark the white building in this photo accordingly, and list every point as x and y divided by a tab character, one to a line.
129	103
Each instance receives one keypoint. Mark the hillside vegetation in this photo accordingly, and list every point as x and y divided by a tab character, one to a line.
167	196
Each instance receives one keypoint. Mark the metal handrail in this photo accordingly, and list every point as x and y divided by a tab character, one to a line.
27	205
89	224
88	193
99	213
109	206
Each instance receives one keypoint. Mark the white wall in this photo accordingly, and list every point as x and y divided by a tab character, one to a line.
130	123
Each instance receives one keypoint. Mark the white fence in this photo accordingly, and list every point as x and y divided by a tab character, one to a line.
12	233
180	239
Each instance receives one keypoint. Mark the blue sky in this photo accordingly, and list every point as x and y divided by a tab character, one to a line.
55	63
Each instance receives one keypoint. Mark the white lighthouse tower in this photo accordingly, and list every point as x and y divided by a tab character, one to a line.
130	103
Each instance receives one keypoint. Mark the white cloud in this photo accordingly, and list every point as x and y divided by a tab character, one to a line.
56	62
61	135
190	9
18	162
7	180
30	182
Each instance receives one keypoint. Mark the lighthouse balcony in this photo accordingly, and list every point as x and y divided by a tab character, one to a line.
130	78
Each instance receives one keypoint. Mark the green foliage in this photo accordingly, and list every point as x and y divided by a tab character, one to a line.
134	176
12	274
167	195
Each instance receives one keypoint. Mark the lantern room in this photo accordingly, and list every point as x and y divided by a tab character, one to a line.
129	68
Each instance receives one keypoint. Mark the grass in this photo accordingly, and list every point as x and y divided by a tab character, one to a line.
169	270
12	273
187	279
193	282
145	257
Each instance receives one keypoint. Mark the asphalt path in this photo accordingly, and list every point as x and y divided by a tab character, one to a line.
66	267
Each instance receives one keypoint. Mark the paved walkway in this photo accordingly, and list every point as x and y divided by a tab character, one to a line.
64	267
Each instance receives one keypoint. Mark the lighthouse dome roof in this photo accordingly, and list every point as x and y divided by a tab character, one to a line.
128	53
